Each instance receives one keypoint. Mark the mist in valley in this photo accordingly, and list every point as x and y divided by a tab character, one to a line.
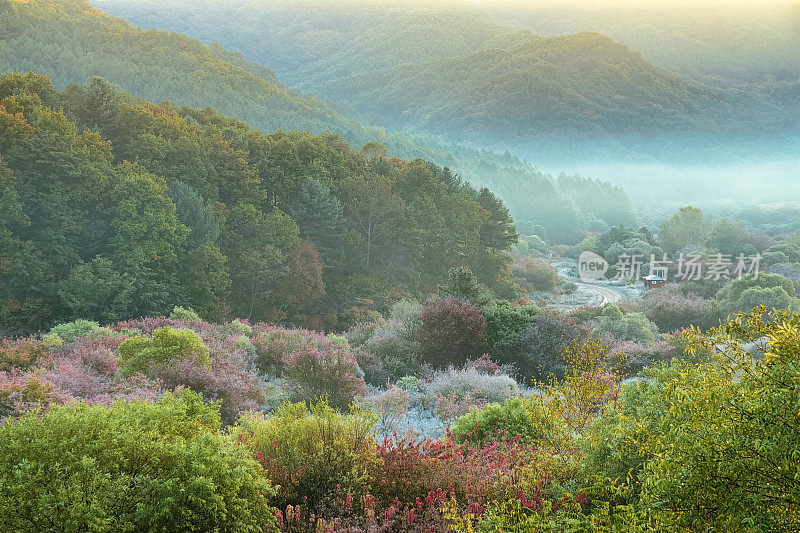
696	104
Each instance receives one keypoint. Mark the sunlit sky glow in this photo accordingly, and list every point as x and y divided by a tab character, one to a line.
632	3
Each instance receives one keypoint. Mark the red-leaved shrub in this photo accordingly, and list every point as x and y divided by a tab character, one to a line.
451	332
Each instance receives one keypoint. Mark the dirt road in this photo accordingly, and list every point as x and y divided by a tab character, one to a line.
595	293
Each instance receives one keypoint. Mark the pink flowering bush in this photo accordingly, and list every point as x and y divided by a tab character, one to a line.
333	476
237	390
273	349
419	480
327	370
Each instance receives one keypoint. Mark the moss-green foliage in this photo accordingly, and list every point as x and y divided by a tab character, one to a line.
613	447
139	353
462	283
505	329
772	290
729	440
70	331
240	327
131	467
634	327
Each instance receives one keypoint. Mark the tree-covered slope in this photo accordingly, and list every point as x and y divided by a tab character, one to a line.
525	85
466	73
112	207
742	38
71	42
408	37
746	39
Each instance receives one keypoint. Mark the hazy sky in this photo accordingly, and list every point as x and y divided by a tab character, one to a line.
637	3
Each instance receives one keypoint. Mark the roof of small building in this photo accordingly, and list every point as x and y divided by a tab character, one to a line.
653	277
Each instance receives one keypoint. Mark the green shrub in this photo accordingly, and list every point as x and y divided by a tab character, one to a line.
70	331
244	343
310	451
131	467
241	327
585	313
505	328
612	446
52	341
535	242
338	340
179	313
494	422
634	327
463	284
409	383
742	295
139	354
397	356
729	440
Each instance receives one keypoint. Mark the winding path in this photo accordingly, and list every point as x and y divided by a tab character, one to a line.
597	293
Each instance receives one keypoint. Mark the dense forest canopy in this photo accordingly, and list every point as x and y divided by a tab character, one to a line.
116	207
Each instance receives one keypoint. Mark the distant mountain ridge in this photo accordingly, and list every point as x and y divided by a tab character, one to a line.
462	73
71	42
526	85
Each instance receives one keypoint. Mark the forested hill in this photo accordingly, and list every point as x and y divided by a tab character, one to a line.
458	72
748	40
112	207
520	84
71	42
409	37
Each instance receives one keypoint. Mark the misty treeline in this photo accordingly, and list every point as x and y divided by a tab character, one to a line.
115	207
